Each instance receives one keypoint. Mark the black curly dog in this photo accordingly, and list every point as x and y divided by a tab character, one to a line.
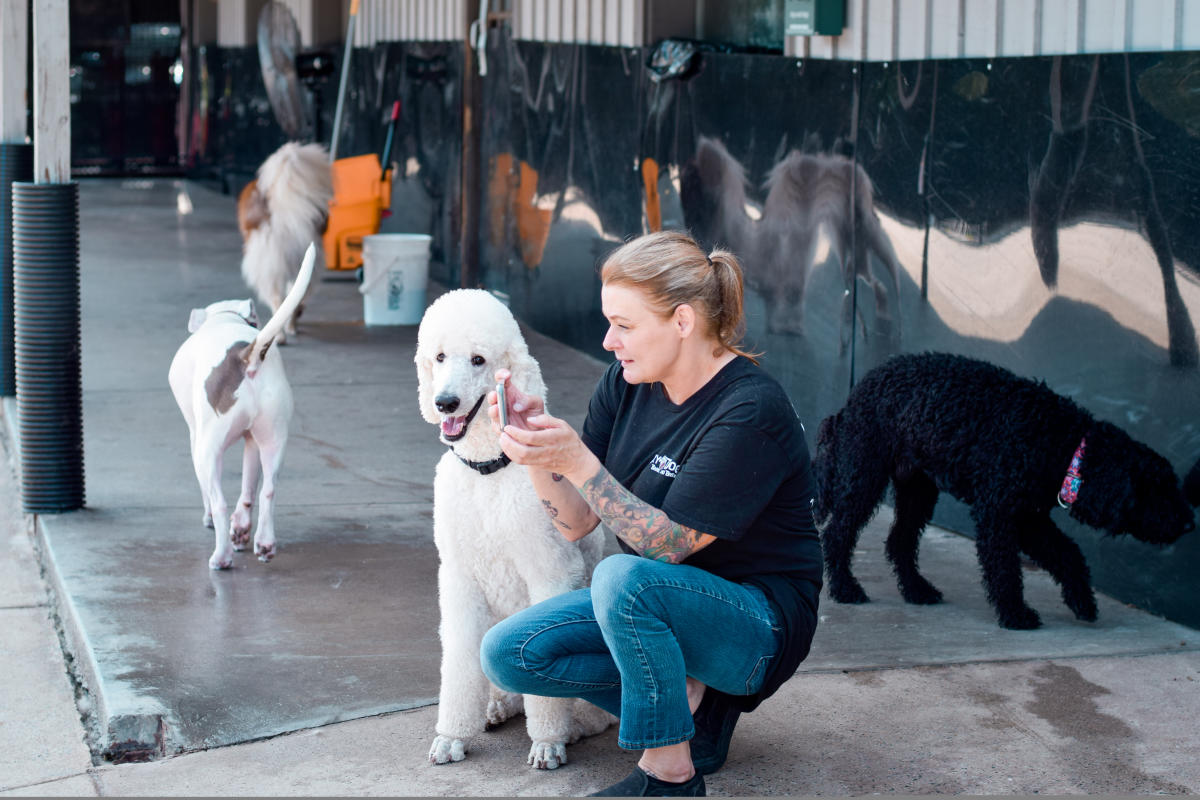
1001	444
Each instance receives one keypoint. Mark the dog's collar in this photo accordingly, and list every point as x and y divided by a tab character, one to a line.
486	467
1071	483
253	324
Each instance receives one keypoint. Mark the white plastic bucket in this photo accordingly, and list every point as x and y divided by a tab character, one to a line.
395	274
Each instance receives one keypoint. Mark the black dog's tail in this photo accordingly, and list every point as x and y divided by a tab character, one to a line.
1191	484
825	464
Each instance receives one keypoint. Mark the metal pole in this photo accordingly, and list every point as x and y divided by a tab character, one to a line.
349	48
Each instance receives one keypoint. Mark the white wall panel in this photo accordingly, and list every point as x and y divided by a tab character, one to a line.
1189	25
912	39
554	21
631	32
980	28
1104	26
1019	33
1060	27
881	27
945	28
876	30
407	20
596	22
568	21
1152	25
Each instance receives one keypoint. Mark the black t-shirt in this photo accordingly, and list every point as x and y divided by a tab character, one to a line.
730	461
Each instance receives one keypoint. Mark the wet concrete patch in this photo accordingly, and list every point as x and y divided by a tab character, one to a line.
342	624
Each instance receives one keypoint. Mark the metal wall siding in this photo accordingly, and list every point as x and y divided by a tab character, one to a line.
1153	25
945	28
596	22
1104	26
912	41
881	28
1189	26
408	21
980	27
885	30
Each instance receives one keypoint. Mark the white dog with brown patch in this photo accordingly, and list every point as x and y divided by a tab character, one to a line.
499	553
230	384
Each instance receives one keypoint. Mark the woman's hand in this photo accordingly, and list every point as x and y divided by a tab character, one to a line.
521	406
551	444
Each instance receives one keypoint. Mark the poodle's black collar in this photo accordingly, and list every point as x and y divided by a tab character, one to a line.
1070	485
486	467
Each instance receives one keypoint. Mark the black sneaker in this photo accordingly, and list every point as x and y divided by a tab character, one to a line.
639	784
714	721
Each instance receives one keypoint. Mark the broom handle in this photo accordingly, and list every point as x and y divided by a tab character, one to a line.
387	145
337	115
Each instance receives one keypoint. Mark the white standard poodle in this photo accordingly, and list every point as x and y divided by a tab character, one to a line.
499	552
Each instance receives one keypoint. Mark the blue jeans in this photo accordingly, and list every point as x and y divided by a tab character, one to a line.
629	642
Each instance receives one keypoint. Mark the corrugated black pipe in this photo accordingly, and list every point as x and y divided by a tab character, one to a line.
46	320
16	164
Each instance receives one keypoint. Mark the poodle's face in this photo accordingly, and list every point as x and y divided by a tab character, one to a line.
1157	512
464	337
461	376
1134	491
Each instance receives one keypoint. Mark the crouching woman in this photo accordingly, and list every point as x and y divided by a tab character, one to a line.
694	458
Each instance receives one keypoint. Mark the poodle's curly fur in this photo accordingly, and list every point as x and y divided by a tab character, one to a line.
499	551
1002	444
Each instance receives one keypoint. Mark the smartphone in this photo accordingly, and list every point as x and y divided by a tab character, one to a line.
502	403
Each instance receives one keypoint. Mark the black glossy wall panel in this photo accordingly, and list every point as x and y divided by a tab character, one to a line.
1037	213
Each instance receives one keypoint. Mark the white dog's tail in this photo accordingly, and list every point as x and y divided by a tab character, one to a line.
257	351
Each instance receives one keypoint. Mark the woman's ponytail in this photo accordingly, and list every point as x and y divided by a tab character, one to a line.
729	315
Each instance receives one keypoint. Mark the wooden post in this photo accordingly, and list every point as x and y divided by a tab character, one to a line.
51	92
472	108
14	49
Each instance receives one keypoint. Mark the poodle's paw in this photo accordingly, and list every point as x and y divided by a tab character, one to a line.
239	527
547	755
1083	606
919	591
220	560
445	750
500	709
848	591
1022	618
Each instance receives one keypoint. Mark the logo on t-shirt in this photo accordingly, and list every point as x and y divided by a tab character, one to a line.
664	465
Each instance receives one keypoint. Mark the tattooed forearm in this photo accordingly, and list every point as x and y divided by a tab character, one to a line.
553	512
640	525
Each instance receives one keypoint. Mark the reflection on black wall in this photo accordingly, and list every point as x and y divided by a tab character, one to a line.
1040	213
124	89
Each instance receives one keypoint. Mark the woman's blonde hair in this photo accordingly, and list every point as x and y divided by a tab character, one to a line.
672	269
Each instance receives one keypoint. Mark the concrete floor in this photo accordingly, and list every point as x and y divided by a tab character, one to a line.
341	626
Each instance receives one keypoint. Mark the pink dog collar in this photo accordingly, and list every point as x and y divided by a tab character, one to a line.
1070	485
